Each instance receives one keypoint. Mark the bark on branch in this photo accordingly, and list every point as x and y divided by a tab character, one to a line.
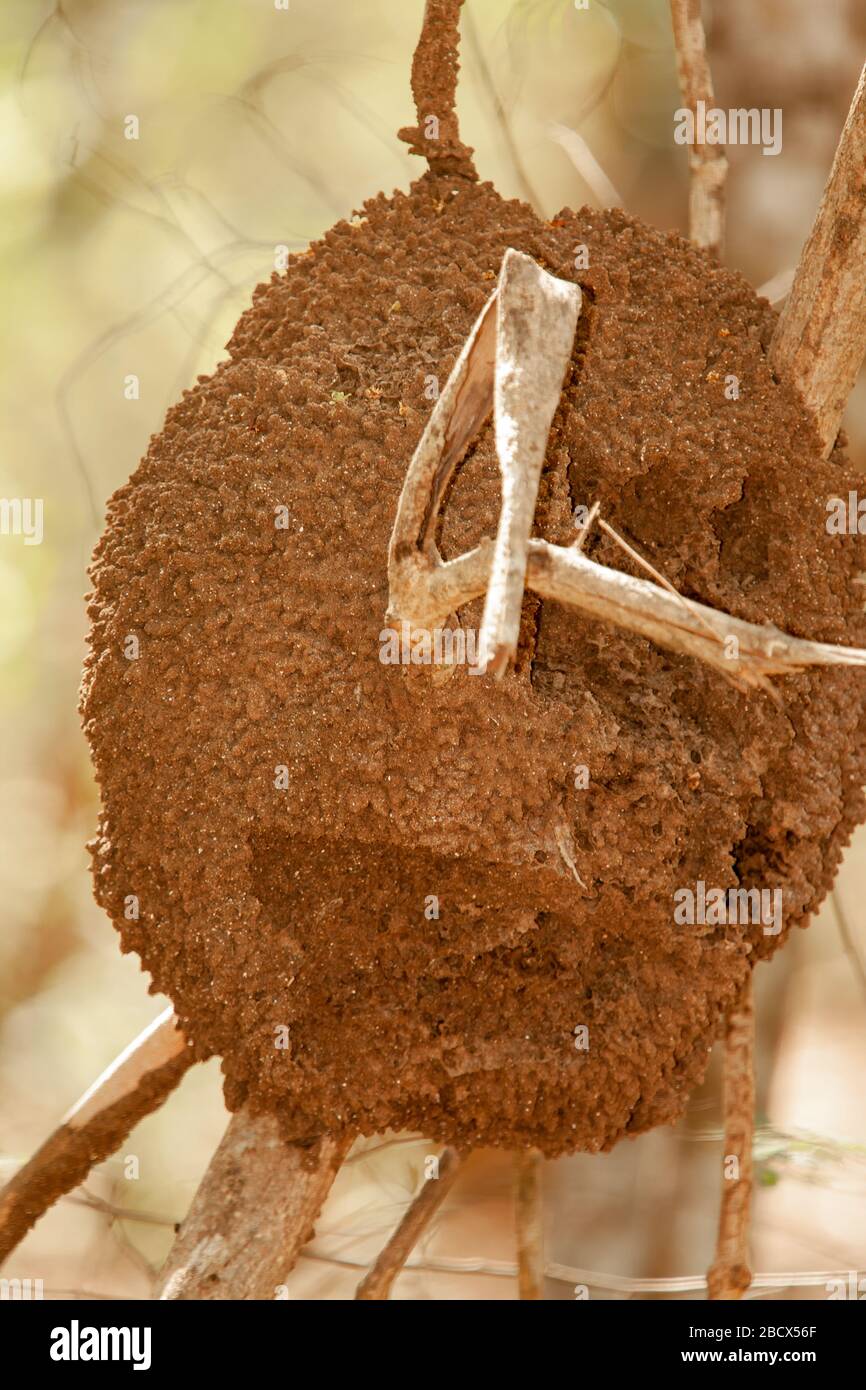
708	166
377	1284
529	1223
820	338
136	1083
730	1276
253	1212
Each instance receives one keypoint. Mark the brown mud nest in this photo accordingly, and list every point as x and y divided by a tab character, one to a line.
305	845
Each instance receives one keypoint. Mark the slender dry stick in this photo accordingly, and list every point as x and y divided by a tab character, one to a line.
136	1083
503	124
587	165
820	338
535	323
529	1223
253	1212
708	166
434	88
614	1283
729	1276
378	1282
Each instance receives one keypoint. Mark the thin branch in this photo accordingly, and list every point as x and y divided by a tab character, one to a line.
729	1276
116	1213
434	87
378	1282
592	1279
253	1212
708	166
850	940
586	165
657	575
529	1223
820	338
135	1084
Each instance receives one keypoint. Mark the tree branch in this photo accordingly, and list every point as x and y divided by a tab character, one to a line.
378	1282
708	166
136	1083
820	338
730	1276
253	1212
529	1222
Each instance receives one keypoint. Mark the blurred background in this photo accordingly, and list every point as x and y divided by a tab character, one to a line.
254	129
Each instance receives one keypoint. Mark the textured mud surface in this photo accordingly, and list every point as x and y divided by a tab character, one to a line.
304	905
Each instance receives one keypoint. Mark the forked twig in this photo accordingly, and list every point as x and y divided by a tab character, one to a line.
820	338
729	1277
379	1281
527	311
529	1223
135	1084
253	1212
708	166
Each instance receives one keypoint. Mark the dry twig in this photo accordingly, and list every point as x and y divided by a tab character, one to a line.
253	1212
529	1222
425	590
820	338
378	1283
729	1276
536	320
587	165
136	1083
708	166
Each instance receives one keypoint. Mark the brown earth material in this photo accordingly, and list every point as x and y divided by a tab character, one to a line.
435	66
297	898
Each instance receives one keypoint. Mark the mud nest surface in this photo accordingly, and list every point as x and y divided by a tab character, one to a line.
296	900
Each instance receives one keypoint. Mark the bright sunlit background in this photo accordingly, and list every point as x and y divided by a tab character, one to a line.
257	129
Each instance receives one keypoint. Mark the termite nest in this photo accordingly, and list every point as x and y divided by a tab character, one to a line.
350	879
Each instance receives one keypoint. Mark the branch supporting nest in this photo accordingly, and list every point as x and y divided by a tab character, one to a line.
434	87
135	1084
820	338
377	1284
513	365
529	1223
730	1276
252	1214
708	166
